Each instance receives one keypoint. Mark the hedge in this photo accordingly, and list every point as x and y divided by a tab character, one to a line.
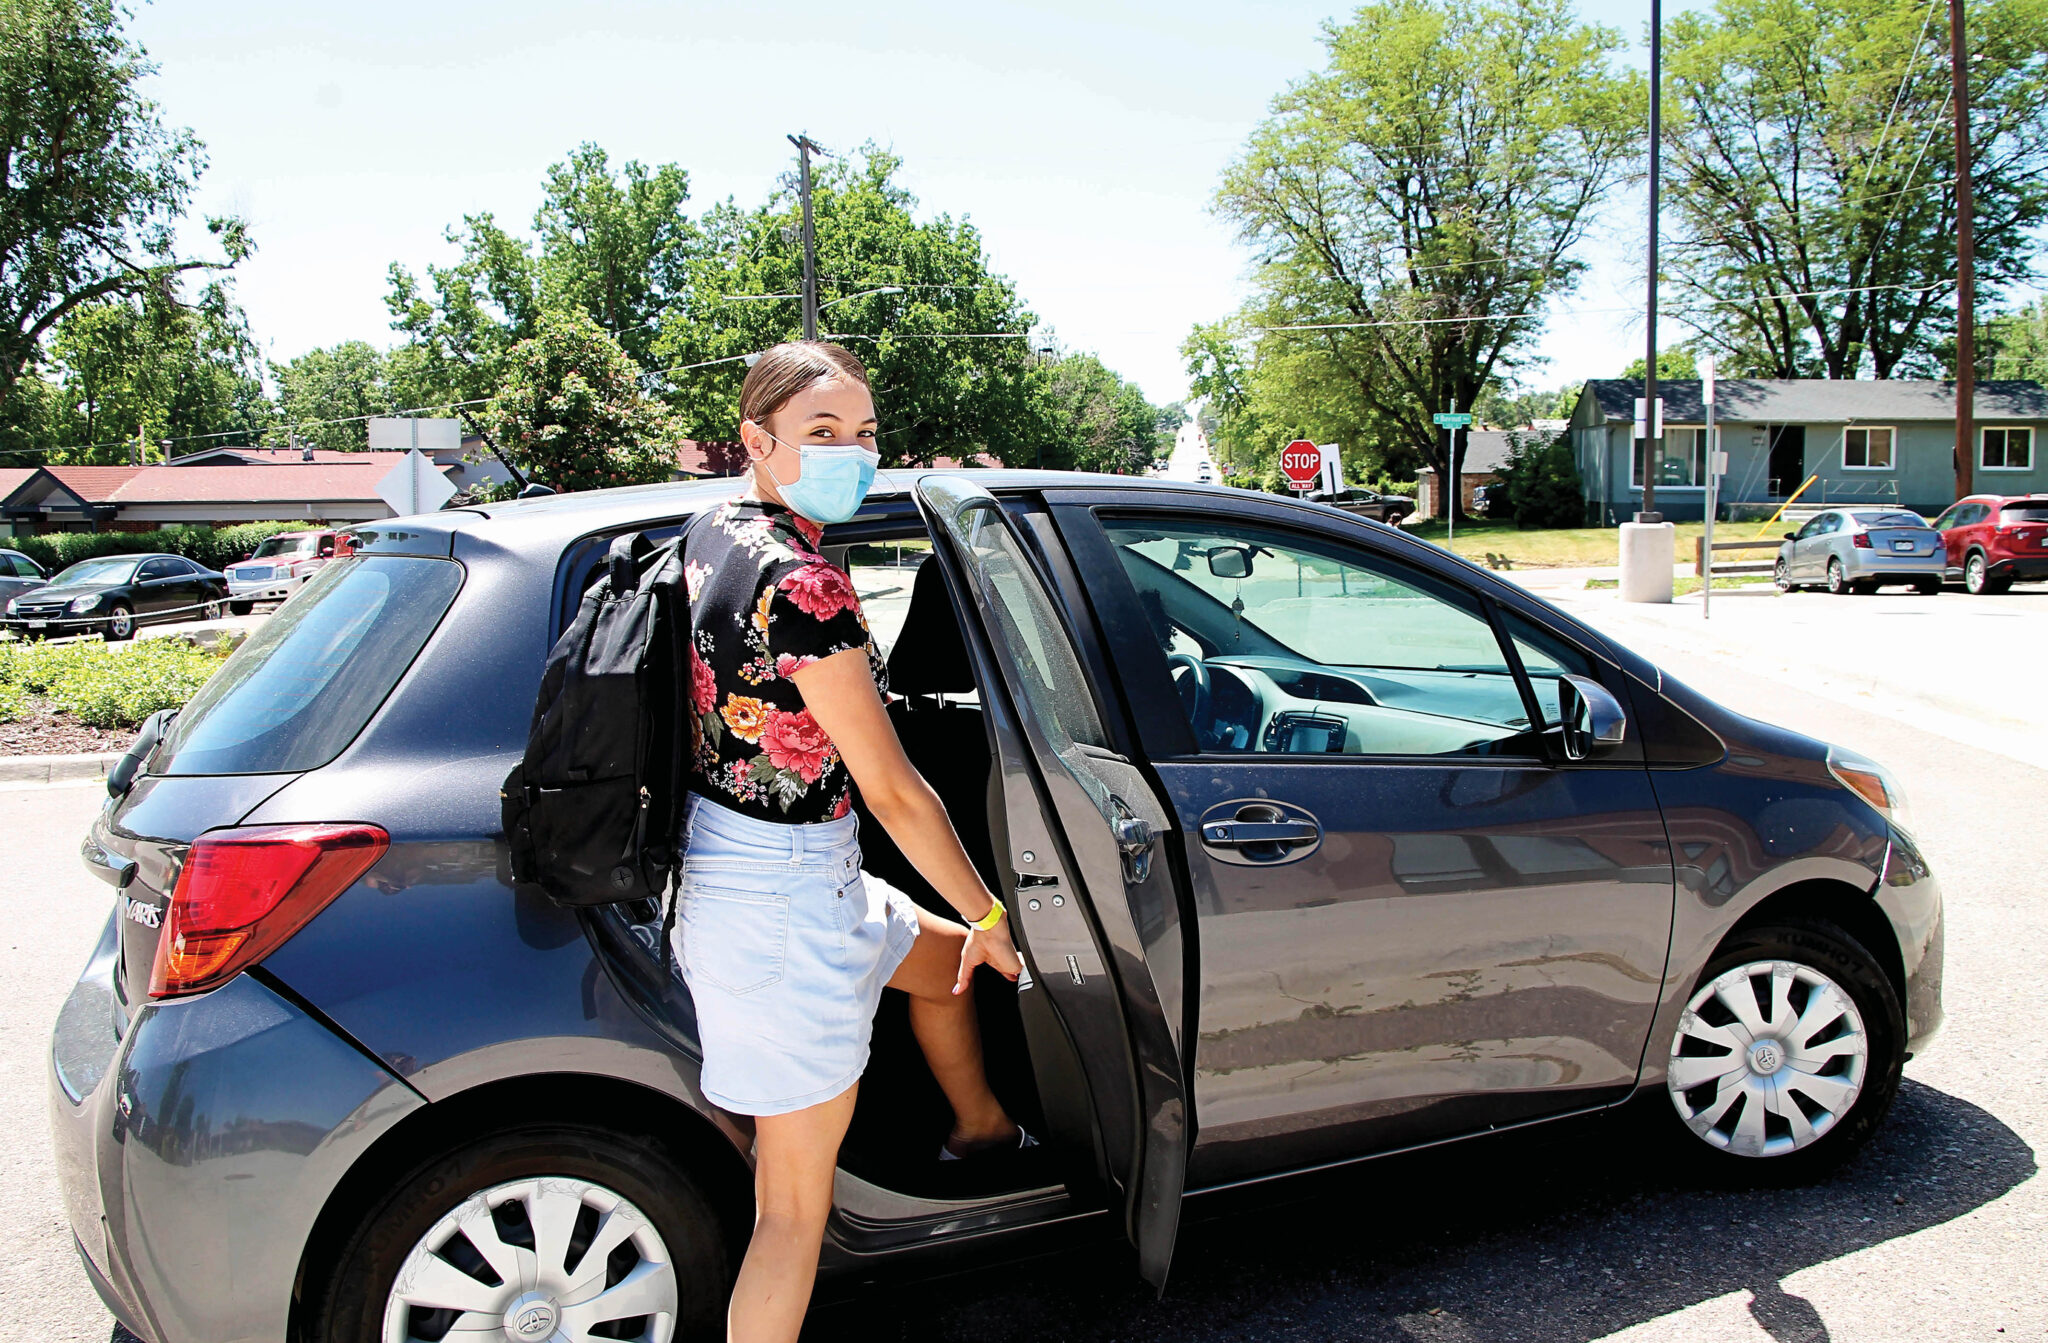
214	549
106	685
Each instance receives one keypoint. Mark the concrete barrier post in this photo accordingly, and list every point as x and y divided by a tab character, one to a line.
1648	550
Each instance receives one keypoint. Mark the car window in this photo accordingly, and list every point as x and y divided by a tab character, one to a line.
1547	658
103	572
2015	513
1309	645
24	567
155	569
1814	527
1947	518
308	680
1890	519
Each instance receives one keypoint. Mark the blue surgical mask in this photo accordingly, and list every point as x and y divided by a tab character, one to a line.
831	481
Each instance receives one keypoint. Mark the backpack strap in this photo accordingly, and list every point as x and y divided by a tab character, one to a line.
622	561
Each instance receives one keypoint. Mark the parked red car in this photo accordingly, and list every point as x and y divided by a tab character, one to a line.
1994	540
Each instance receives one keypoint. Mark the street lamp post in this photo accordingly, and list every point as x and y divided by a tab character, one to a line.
1649	544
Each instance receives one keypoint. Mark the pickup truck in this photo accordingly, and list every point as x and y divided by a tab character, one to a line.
281	565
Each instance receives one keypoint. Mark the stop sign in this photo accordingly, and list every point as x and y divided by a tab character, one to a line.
1301	462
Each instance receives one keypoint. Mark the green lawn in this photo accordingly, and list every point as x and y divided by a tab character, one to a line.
1568	547
1686	584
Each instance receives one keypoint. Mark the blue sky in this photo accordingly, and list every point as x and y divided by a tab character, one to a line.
1085	140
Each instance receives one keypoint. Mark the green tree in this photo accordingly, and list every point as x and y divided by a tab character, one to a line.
184	372
571	411
943	337
92	183
324	395
2015	344
1812	170
616	247
1096	421
1673	363
1414	205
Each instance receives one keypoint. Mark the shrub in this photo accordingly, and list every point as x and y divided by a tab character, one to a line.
1539	483
106	685
58	550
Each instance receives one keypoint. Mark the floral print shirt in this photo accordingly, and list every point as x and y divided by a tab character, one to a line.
765	602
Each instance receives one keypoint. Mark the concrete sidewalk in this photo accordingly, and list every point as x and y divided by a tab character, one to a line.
1967	668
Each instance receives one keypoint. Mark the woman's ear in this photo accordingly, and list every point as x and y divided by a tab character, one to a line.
755	440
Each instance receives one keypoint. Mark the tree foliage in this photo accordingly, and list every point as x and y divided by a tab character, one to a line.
571	411
2015	344
1415	204
1812	174
325	395
953	370
1095	421
92	183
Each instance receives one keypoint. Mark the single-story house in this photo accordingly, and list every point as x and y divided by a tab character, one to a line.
1879	442
1486	451
11	477
143	498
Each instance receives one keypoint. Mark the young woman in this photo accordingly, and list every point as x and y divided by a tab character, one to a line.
785	945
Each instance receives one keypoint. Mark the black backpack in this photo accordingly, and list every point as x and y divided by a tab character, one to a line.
594	811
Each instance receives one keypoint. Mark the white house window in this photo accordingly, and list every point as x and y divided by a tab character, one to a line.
1865	449
2008	450
1684	459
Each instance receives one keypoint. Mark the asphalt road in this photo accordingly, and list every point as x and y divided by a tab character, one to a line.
1557	1236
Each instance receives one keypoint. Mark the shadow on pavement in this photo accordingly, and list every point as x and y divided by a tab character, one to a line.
1551	1236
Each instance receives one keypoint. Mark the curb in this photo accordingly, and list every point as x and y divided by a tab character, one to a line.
56	768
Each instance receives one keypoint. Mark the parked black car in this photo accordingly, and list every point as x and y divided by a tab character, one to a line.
113	594
1321	844
1388	508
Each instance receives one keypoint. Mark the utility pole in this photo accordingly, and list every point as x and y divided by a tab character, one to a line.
804	149
1652	455
1966	257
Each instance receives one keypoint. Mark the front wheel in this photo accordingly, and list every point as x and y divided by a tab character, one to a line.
1788	1054
1782	576
549	1231
1838	578
120	622
1929	587
1977	580
241	608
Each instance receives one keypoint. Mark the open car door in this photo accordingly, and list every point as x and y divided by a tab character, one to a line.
1079	832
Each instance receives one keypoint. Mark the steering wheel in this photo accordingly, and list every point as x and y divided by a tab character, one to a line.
1198	676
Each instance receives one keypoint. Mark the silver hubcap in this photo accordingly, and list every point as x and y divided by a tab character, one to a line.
545	1260
1976	572
120	624
1768	1058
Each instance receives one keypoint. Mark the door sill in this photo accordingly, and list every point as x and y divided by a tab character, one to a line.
867	1219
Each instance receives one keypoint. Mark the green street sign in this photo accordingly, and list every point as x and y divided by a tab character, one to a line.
1452	420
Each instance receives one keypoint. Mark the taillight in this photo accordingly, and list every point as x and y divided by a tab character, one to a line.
1861	540
243	892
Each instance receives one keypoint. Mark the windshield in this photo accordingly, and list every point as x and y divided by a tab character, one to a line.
1891	519
105	572
305	684
286	545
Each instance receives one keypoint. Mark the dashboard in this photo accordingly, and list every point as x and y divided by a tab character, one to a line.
1276	705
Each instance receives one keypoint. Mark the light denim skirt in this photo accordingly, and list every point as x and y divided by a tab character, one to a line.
785	946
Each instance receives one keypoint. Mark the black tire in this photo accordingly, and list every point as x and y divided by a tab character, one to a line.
1834	953
1838	579
120	622
1929	587
1781	576
240	608
348	1306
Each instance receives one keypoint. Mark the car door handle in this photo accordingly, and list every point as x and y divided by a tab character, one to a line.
1235	834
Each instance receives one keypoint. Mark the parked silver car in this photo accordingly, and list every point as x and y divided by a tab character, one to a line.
1860	550
19	574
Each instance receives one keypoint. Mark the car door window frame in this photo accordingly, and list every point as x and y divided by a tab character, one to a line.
1154	703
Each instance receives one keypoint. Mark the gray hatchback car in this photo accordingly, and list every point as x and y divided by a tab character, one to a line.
1850	550
1321	844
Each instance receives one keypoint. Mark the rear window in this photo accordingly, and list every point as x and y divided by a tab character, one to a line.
2013	513
1891	519
301	689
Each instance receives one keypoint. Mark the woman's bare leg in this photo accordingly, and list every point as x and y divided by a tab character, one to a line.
794	1156
949	1034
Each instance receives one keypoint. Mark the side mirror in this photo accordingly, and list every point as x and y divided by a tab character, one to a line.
1592	722
246	555
1230	562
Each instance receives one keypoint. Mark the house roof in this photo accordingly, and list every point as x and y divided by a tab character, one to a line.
1821	400
11	478
305	483
94	484
1486	450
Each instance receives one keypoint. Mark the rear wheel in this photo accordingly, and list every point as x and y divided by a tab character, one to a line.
1977	578
1929	587
1788	1054
549	1231
1838	578
240	608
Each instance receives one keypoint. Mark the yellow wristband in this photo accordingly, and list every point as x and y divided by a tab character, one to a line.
990	919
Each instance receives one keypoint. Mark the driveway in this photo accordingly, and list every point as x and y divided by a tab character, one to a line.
1564	1235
